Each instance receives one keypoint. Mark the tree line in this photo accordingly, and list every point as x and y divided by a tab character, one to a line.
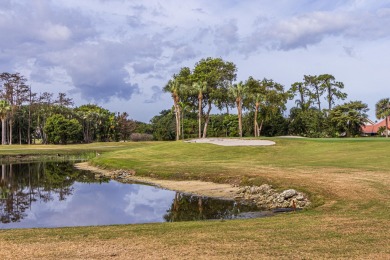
28	117
260	105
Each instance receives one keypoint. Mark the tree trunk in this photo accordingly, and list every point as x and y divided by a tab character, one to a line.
182	125
177	120
318	100
29	121
3	128
302	99
387	127
20	135
10	131
207	120
256	124
200	117
261	126
239	110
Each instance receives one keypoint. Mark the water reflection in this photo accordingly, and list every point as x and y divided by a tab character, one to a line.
187	208
55	194
21	185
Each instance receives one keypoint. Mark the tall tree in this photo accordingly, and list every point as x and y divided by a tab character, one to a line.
238	91
332	88
200	88
382	110
315	89
218	75
4	109
303	93
266	95
43	111
16	92
184	107
255	97
175	88
63	100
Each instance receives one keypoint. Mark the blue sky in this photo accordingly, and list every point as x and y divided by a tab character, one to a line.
119	54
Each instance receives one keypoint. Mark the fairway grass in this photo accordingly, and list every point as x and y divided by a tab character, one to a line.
348	181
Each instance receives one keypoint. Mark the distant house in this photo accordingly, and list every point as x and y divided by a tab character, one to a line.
372	128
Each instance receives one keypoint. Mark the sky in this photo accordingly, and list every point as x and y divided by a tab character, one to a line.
119	54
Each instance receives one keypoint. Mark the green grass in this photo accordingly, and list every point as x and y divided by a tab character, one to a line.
367	154
347	179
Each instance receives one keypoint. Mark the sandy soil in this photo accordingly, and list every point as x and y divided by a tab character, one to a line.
232	142
202	188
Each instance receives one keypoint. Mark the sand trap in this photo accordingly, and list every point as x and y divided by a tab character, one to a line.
232	142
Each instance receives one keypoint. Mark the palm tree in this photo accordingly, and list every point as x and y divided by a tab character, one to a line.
200	88
183	108
238	91
258	98
175	88
4	108
382	110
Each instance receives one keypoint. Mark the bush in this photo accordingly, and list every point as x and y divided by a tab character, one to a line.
61	130
137	137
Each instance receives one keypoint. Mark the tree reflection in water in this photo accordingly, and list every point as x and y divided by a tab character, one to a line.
22	184
189	207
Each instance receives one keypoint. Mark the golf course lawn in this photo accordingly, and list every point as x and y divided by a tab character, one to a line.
348	181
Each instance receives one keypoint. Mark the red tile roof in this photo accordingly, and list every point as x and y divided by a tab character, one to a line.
373	128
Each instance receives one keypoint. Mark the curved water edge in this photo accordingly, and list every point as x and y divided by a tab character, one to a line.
55	194
20	158
265	197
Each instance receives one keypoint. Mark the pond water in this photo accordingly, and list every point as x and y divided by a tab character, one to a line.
55	194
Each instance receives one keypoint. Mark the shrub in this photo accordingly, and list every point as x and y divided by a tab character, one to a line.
137	137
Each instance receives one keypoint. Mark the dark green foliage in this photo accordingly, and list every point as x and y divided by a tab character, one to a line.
143	128
223	125
347	119
308	123
163	126
60	130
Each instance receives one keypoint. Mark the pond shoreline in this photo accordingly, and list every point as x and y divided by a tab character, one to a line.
200	188
264	196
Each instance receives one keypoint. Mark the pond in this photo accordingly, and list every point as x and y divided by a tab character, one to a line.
55	194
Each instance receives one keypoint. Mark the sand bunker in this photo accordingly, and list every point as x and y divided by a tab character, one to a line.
232	142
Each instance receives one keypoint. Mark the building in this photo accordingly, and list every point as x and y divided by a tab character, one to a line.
372	128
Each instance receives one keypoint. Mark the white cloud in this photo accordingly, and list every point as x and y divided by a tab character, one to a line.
55	32
122	49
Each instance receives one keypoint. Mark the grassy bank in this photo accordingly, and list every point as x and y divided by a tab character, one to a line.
348	180
14	153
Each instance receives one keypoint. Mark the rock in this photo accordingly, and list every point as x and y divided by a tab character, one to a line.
266	197
300	197
265	188
288	193
241	190
280	199
253	190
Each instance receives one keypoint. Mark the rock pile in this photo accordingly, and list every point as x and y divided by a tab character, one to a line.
122	174
266	197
